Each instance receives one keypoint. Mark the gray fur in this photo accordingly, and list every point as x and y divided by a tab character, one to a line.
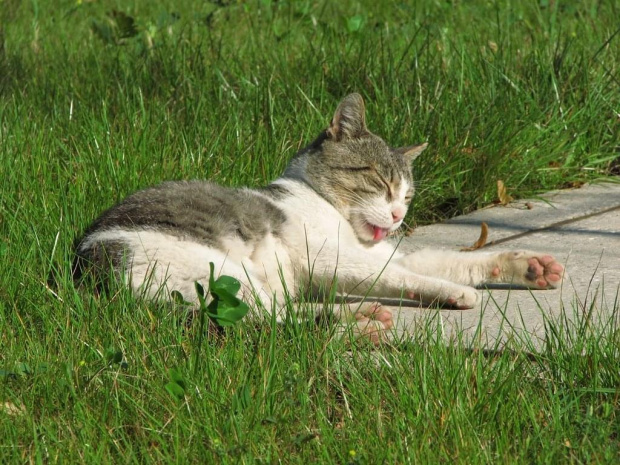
200	210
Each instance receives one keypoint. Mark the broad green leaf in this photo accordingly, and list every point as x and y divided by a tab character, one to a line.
199	289
225	298
103	31
177	386
226	283
233	314
226	309
23	369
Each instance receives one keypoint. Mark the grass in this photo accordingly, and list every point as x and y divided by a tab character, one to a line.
96	104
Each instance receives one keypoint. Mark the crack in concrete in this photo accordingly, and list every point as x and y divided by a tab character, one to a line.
550	227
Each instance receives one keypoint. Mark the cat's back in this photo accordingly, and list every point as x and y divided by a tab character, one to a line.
198	212
201	210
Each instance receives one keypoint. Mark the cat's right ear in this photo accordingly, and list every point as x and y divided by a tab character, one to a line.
412	152
349	121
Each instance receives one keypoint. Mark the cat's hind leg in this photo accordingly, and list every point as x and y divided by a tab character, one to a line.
159	264
366	320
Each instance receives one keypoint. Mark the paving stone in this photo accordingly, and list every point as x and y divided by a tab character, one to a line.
580	227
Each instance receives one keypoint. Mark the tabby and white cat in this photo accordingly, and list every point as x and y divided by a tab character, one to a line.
323	222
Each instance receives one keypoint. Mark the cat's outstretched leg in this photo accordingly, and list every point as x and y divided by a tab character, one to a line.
360	274
523	268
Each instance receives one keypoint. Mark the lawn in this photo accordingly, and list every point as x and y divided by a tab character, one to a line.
100	98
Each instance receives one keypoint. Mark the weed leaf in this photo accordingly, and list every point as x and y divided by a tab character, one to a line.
355	23
225	309
103	31
22	369
226	283
175	390
177	385
113	356
125	24
176	377
178	298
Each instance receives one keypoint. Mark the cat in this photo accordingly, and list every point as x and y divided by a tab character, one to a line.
324	222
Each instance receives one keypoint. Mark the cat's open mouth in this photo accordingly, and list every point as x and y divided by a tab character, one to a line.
378	233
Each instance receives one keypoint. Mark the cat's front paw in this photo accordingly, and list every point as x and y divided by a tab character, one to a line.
454	295
535	270
465	299
372	322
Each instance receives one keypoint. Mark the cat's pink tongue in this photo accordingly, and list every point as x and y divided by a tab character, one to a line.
379	233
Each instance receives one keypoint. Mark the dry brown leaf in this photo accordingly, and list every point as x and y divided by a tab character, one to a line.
503	196
11	409
484	234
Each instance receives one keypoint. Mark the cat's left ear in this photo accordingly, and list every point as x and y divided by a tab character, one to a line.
412	152
349	121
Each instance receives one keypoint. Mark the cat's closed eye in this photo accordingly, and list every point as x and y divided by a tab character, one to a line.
387	187
365	191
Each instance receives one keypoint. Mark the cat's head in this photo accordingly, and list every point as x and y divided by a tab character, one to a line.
369	182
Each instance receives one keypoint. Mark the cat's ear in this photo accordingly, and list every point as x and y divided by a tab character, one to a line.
412	152
349	120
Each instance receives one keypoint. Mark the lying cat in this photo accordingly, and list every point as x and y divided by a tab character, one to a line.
323	222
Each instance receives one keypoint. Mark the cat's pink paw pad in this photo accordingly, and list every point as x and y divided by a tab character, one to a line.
544	272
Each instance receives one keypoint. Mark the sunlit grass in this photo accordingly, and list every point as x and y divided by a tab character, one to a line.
93	107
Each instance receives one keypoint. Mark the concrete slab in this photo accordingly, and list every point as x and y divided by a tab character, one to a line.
581	227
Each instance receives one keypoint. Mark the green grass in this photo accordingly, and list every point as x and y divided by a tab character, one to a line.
527	93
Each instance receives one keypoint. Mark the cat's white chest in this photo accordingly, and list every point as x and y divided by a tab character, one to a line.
313	226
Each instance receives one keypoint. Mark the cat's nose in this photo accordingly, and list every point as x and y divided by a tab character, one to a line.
396	217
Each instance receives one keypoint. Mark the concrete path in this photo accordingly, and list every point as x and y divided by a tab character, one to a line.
580	227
